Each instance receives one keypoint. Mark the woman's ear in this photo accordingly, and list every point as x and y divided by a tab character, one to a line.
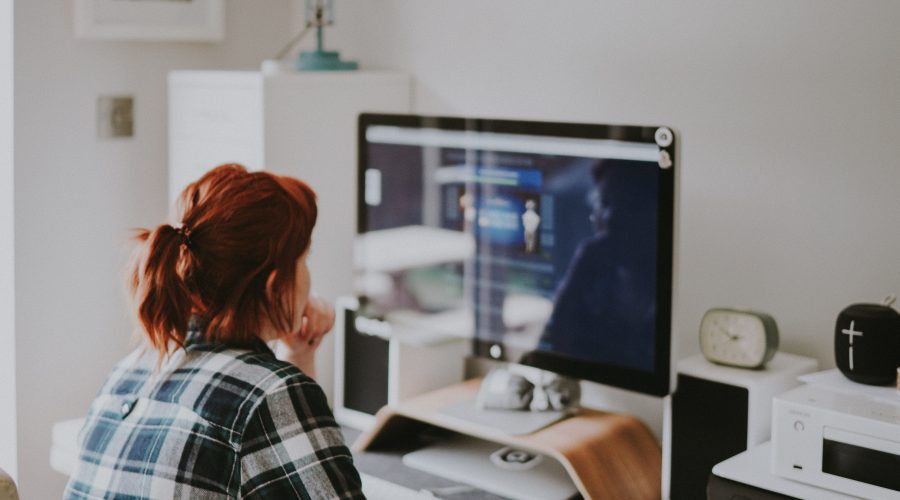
270	286
280	300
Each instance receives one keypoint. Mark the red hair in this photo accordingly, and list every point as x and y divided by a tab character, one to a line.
231	262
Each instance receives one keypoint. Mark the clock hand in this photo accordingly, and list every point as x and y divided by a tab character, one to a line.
729	334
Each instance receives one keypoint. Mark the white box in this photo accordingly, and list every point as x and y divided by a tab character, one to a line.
837	440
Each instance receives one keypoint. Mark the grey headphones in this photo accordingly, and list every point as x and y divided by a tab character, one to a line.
505	390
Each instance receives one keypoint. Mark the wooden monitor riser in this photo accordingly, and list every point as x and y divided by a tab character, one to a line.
607	455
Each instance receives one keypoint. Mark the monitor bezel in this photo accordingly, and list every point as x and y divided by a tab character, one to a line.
655	383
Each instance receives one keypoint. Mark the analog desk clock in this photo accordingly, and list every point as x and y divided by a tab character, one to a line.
733	337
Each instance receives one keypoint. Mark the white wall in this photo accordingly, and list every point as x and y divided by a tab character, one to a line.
7	296
789	114
77	197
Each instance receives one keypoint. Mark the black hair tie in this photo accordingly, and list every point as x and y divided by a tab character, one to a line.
185	232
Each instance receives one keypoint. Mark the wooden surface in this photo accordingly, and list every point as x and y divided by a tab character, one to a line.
607	455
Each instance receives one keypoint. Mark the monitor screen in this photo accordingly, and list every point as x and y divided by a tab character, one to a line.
547	244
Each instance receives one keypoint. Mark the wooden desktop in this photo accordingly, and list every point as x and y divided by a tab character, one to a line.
607	455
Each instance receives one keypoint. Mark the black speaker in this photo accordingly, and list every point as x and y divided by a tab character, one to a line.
378	363
717	412
724	489
704	434
365	362
867	343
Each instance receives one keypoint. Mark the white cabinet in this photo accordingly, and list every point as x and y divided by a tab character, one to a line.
215	117
298	124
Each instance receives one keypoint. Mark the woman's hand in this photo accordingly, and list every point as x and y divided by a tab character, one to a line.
316	322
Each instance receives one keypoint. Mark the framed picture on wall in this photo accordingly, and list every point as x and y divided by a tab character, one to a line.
150	20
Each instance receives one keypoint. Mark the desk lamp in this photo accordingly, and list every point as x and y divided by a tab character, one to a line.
320	13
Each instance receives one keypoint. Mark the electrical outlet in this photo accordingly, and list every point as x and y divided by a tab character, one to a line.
115	116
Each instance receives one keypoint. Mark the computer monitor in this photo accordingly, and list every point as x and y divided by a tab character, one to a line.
548	244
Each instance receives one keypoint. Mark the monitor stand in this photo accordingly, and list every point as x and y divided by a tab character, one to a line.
512	422
595	448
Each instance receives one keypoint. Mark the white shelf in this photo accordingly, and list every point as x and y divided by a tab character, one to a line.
836	381
402	248
781	364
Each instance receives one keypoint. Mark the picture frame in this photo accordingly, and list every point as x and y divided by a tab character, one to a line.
150	20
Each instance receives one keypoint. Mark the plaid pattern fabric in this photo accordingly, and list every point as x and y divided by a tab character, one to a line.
212	422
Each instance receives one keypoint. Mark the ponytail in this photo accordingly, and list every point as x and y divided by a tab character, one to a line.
159	287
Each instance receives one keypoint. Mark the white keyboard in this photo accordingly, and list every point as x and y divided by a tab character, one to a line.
379	489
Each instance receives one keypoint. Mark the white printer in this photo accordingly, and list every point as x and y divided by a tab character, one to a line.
841	440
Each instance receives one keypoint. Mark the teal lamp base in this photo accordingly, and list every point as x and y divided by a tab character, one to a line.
323	60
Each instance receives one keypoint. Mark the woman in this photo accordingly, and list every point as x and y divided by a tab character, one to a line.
204	409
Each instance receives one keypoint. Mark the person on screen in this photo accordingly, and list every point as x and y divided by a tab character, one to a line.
203	408
604	309
467	207
530	222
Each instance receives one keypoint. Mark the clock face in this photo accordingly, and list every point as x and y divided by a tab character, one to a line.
737	338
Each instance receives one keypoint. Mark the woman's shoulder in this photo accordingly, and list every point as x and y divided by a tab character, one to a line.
252	367
262	369
223	385
251	386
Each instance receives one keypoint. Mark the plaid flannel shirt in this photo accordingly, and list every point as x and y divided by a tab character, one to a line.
212	422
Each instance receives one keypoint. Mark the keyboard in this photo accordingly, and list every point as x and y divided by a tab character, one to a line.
378	489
